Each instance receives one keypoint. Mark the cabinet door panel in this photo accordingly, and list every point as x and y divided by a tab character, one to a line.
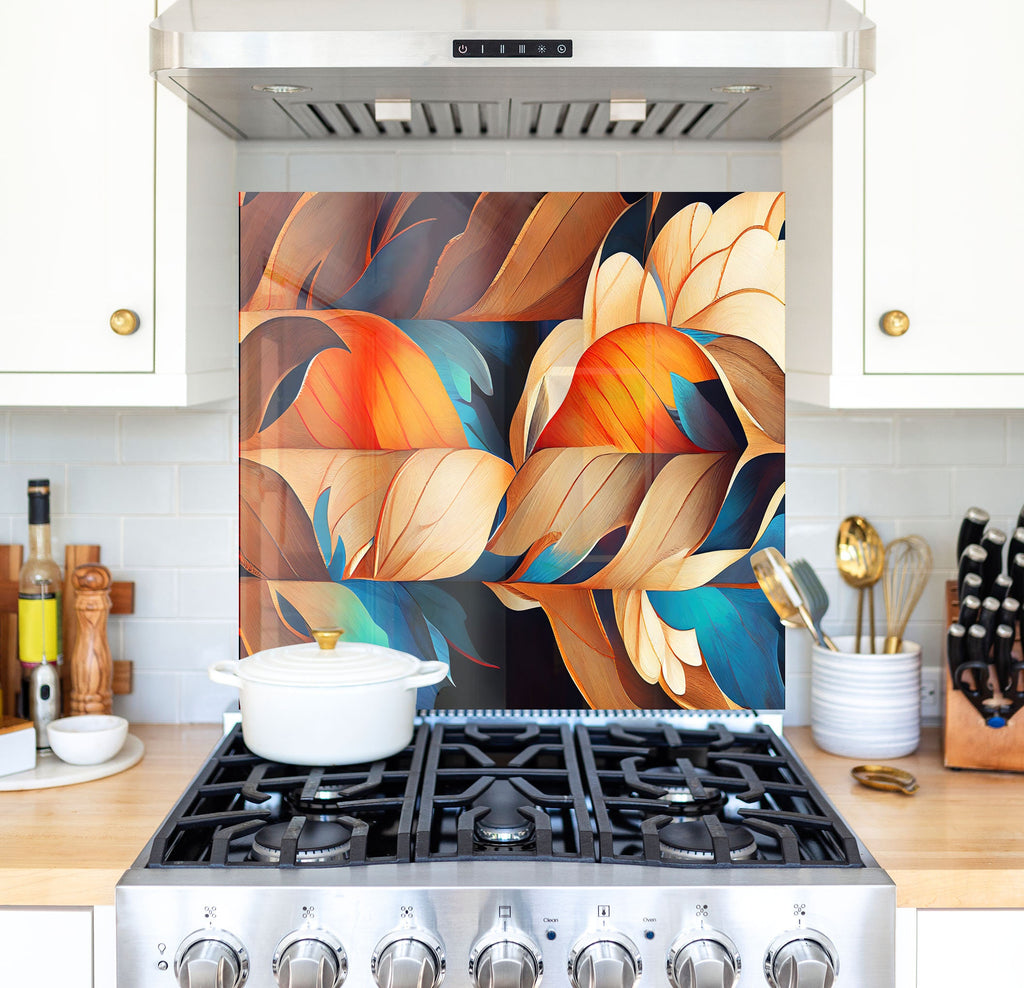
76	187
42	946
944	152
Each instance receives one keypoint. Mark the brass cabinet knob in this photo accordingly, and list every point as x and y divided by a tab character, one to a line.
124	322
895	323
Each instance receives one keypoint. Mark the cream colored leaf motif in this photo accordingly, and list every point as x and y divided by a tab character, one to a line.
676	515
575	495
358	481
672	254
437	513
748	209
754	261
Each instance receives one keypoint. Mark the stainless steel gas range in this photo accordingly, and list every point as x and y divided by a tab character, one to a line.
587	849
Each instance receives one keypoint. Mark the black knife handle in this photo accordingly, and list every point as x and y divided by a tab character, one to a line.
972	560
1000	587
1016	570
988	619
1016	545
977	663
970	608
956	653
971	528
1020	518
1004	645
971	587
993	542
1009	612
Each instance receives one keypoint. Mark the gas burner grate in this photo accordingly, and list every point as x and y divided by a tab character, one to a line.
238	793
502	790
643	779
632	792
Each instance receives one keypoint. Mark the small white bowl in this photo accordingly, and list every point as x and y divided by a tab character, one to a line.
88	739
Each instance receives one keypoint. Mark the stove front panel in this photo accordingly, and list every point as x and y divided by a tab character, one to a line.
468	907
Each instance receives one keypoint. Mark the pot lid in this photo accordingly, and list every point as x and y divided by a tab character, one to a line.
343	664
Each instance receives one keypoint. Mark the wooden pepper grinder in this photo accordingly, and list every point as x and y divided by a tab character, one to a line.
92	670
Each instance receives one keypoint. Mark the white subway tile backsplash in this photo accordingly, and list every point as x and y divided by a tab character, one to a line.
180	542
569	171
179	645
444	173
203	701
156	591
944	440
14	478
209	490
814	440
116	489
999	490
341	172
175	437
812	493
1015	439
71	437
209	593
813	540
896	493
260	171
104	531
673	172
155	698
755	171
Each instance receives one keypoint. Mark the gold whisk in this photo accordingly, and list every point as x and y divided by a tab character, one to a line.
908	564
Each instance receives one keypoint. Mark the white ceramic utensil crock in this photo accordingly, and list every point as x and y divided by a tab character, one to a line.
316	705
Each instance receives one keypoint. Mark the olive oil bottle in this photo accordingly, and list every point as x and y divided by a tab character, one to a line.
39	593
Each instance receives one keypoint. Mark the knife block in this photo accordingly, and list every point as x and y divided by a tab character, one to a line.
967	741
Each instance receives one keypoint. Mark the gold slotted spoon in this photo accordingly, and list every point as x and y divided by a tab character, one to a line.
860	559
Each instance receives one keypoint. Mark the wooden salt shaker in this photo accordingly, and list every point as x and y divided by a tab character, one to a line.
92	670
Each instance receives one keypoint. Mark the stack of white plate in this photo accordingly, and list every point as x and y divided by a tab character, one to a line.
863	705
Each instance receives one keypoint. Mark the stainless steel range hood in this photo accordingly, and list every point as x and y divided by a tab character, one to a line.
403	69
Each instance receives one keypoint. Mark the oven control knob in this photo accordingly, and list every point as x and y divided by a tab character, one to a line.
310	959
608	960
211	959
505	961
801	959
410	959
707	960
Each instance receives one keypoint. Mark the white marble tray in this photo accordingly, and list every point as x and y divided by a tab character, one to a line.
50	771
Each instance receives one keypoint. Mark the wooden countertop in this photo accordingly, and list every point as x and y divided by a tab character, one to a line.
69	845
958	843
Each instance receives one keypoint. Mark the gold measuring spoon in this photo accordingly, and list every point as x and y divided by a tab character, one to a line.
885	777
860	559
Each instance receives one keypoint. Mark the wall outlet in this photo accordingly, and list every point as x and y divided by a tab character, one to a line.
931	694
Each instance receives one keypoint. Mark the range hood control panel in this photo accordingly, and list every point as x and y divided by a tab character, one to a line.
512	48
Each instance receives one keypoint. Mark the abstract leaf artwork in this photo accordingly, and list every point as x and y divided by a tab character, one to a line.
536	436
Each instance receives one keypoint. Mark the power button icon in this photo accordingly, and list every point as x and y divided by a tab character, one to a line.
463	49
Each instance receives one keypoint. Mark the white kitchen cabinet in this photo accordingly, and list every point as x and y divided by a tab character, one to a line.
114	198
905	198
47	947
969	947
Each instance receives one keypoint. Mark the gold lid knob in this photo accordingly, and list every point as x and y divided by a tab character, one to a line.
124	322
895	323
326	638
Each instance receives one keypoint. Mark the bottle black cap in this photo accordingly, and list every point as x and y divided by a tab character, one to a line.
39	502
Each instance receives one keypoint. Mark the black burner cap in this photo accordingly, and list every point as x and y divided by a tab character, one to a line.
315	836
692	838
502	823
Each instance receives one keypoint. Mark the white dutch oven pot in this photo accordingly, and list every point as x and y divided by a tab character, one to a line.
327	704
